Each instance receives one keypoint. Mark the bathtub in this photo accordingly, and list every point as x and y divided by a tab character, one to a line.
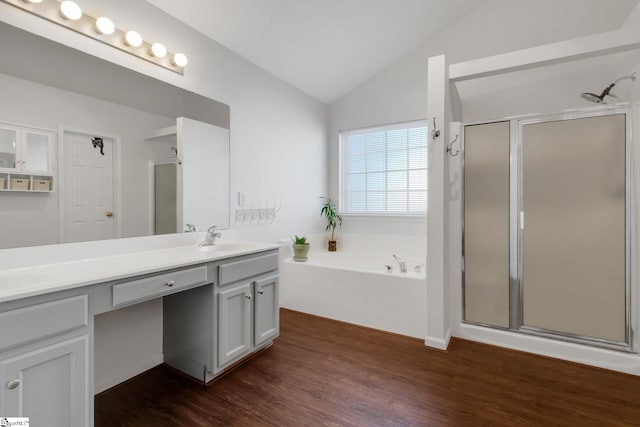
355	288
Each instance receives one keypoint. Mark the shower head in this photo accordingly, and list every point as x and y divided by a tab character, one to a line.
599	99
591	97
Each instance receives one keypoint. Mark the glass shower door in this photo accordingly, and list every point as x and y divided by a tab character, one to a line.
573	227
486	224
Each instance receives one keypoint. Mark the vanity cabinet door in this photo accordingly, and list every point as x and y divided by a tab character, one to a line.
267	325
234	322
48	385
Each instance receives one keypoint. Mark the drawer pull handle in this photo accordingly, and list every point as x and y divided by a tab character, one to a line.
170	283
247	296
13	384
261	291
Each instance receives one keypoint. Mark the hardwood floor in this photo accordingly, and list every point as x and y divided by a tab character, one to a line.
326	373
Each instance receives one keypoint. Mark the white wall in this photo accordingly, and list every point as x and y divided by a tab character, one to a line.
32	219
278	145
627	63
399	92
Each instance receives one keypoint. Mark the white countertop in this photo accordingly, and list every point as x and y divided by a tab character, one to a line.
16	283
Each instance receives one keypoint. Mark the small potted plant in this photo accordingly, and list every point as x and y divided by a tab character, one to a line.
333	220
300	248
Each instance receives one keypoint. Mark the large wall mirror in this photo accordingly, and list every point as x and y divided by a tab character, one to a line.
48	86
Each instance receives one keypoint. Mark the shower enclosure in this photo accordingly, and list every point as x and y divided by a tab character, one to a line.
546	226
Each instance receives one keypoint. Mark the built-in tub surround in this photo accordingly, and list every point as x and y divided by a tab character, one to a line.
353	285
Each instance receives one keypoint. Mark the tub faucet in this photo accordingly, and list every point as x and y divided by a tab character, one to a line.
210	240
401	263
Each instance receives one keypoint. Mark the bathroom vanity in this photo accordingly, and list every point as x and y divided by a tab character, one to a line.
220	306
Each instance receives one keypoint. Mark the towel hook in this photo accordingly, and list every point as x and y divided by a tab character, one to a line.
450	147
435	132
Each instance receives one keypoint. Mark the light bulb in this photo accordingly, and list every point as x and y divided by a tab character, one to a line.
158	50
132	38
105	25
180	60
33	1
70	10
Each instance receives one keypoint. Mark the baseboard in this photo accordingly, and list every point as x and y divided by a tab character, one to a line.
107	383
439	343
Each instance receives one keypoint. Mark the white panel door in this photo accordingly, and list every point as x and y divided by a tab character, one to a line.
88	189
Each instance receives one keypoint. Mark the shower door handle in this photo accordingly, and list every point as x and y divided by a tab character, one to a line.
521	220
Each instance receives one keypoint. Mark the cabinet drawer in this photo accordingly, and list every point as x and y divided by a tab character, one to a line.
156	286
238	270
38	321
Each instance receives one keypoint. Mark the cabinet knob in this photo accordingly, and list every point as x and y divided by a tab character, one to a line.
109	214
13	384
170	283
247	296
261	291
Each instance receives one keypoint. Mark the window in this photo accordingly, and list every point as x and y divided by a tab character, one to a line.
384	170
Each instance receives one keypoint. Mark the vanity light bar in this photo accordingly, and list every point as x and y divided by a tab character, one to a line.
68	14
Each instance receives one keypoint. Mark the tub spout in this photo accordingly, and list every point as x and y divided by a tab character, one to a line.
401	263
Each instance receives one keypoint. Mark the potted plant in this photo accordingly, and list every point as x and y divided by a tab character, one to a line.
333	220
300	248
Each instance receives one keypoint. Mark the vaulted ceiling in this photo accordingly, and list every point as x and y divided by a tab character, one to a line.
326	48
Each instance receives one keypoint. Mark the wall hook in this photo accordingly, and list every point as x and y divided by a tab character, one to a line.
98	142
450	147
435	132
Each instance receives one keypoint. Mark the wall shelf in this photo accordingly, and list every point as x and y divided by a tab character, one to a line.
25	183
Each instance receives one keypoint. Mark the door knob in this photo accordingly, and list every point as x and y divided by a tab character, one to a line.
109	214
13	384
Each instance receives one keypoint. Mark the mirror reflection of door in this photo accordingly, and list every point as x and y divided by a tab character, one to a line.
88	192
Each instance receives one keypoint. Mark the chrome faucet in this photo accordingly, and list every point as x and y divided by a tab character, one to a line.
210	240
401	263
190	228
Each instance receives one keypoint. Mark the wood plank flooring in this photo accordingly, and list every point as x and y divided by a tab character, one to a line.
326	373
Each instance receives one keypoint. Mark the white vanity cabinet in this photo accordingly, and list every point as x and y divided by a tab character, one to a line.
217	310
248	306
228	321
247	318
26	158
44	365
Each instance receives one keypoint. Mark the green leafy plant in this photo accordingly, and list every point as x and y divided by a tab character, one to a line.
330	213
300	240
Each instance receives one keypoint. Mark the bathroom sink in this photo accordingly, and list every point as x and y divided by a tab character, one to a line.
228	247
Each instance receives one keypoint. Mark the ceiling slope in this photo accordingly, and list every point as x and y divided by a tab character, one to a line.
323	47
